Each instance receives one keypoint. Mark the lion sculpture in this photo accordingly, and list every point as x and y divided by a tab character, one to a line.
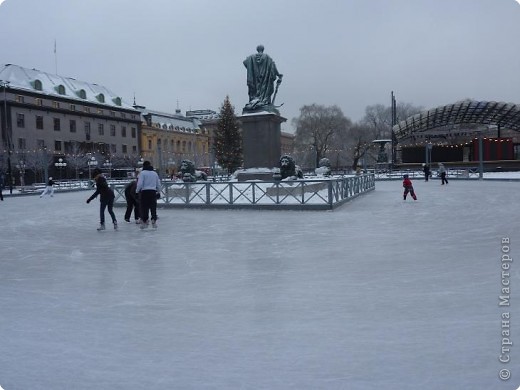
189	174
288	168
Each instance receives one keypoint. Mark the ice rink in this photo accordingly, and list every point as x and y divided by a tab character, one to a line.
378	294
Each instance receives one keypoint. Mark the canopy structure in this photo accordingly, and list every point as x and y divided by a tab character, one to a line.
439	119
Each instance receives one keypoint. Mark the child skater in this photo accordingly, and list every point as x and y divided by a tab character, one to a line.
106	198
408	188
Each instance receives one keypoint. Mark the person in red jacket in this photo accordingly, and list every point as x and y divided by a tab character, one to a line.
408	188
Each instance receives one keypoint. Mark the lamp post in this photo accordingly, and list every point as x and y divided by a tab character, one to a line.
5	84
60	165
92	163
21	167
140	163
107	164
171	167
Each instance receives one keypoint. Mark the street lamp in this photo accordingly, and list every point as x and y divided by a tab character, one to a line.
140	163
171	167
107	164
92	163
21	167
60	165
5	84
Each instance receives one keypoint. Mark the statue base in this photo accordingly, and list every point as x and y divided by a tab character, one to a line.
261	139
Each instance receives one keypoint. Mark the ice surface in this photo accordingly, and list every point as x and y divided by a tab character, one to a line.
378	294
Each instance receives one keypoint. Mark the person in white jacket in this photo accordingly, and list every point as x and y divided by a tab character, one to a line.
148	189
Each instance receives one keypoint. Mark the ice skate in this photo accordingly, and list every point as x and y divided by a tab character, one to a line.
101	227
154	223
115	225
143	225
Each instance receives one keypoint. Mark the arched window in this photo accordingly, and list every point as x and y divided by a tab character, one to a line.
61	89
82	94
117	101
38	85
101	98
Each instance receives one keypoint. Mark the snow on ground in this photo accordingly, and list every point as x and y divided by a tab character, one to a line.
378	294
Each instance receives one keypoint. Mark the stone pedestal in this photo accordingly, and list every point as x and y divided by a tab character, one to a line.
261	139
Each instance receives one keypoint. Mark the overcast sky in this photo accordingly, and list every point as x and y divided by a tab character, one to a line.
351	53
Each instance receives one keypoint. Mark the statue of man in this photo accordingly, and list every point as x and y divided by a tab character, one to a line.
261	76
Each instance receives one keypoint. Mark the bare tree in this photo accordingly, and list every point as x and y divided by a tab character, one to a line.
39	162
318	129
76	157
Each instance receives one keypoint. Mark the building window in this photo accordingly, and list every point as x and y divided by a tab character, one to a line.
86	109
38	102
61	90
123	131
20	120
178	149
112	130
87	131
134	132
124	149
100	111
112	113
149	144
117	101
82	94
101	98
19	99
134	149
55	105
57	146
21	144
72	125
39	122
113	148
40	143
72	107
38	85
183	146
123	115
101	129
57	124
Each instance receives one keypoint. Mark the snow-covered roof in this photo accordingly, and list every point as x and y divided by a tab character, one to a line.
175	122
37	81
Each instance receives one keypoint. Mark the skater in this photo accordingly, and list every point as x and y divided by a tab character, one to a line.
1	186
132	201
49	189
106	198
408	187
443	174
427	172
148	188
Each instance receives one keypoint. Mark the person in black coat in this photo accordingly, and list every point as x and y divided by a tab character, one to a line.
132	201
427	172
106	198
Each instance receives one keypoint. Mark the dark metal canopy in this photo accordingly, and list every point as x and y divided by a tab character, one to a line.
505	115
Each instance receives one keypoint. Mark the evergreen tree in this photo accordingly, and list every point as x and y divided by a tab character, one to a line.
228	139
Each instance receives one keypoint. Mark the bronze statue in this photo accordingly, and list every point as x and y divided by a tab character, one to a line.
261	77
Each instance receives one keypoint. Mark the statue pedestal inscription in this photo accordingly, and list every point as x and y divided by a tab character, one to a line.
261	139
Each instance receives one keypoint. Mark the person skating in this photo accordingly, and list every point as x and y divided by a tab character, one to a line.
408	188
132	201
49	189
148	188
443	174
106	198
427	172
